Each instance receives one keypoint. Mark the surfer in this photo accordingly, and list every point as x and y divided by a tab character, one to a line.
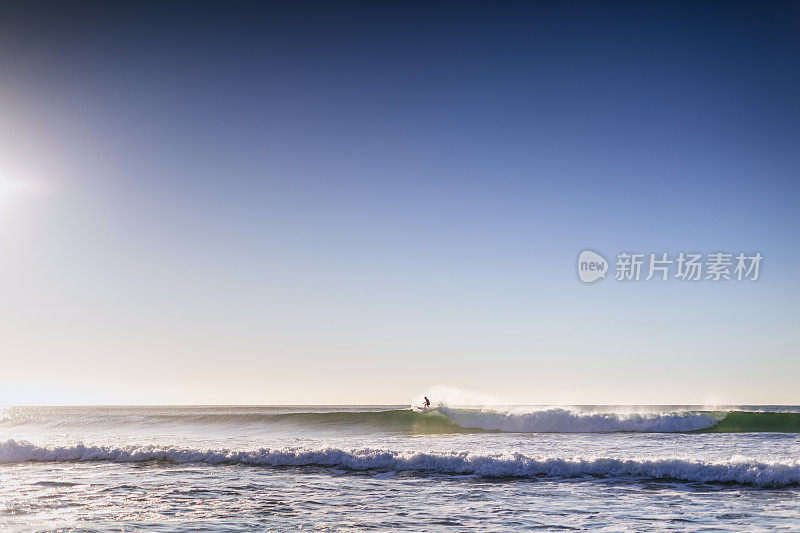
427	403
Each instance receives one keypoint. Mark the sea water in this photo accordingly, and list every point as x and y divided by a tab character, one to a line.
391	467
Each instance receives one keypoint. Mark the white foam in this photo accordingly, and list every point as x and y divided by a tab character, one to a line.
559	420
760	473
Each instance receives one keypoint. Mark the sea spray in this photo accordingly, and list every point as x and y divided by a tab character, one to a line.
560	420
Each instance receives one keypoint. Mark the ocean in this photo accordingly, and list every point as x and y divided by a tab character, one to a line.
644	468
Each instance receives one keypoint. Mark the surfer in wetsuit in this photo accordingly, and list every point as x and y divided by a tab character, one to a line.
427	403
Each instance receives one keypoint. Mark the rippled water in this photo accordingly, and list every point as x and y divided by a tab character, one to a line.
389	467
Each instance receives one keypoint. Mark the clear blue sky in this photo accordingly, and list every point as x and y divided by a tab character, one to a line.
351	202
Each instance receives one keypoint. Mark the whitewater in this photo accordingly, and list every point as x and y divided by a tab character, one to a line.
469	467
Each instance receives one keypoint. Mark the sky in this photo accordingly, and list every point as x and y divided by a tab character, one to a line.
340	202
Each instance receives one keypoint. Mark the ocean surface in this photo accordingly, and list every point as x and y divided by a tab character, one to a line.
685	468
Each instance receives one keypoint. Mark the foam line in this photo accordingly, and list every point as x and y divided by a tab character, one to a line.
758	473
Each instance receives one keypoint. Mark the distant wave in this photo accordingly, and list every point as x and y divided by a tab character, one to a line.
762	474
390	420
443	419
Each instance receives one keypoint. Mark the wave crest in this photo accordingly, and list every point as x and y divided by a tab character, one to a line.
559	420
762	474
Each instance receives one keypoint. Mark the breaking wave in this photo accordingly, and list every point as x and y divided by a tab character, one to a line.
761	474
442	419
559	420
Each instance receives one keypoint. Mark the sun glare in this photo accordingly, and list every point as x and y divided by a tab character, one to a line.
10	188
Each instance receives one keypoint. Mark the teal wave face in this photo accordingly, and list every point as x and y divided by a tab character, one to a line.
404	420
387	420
756	422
